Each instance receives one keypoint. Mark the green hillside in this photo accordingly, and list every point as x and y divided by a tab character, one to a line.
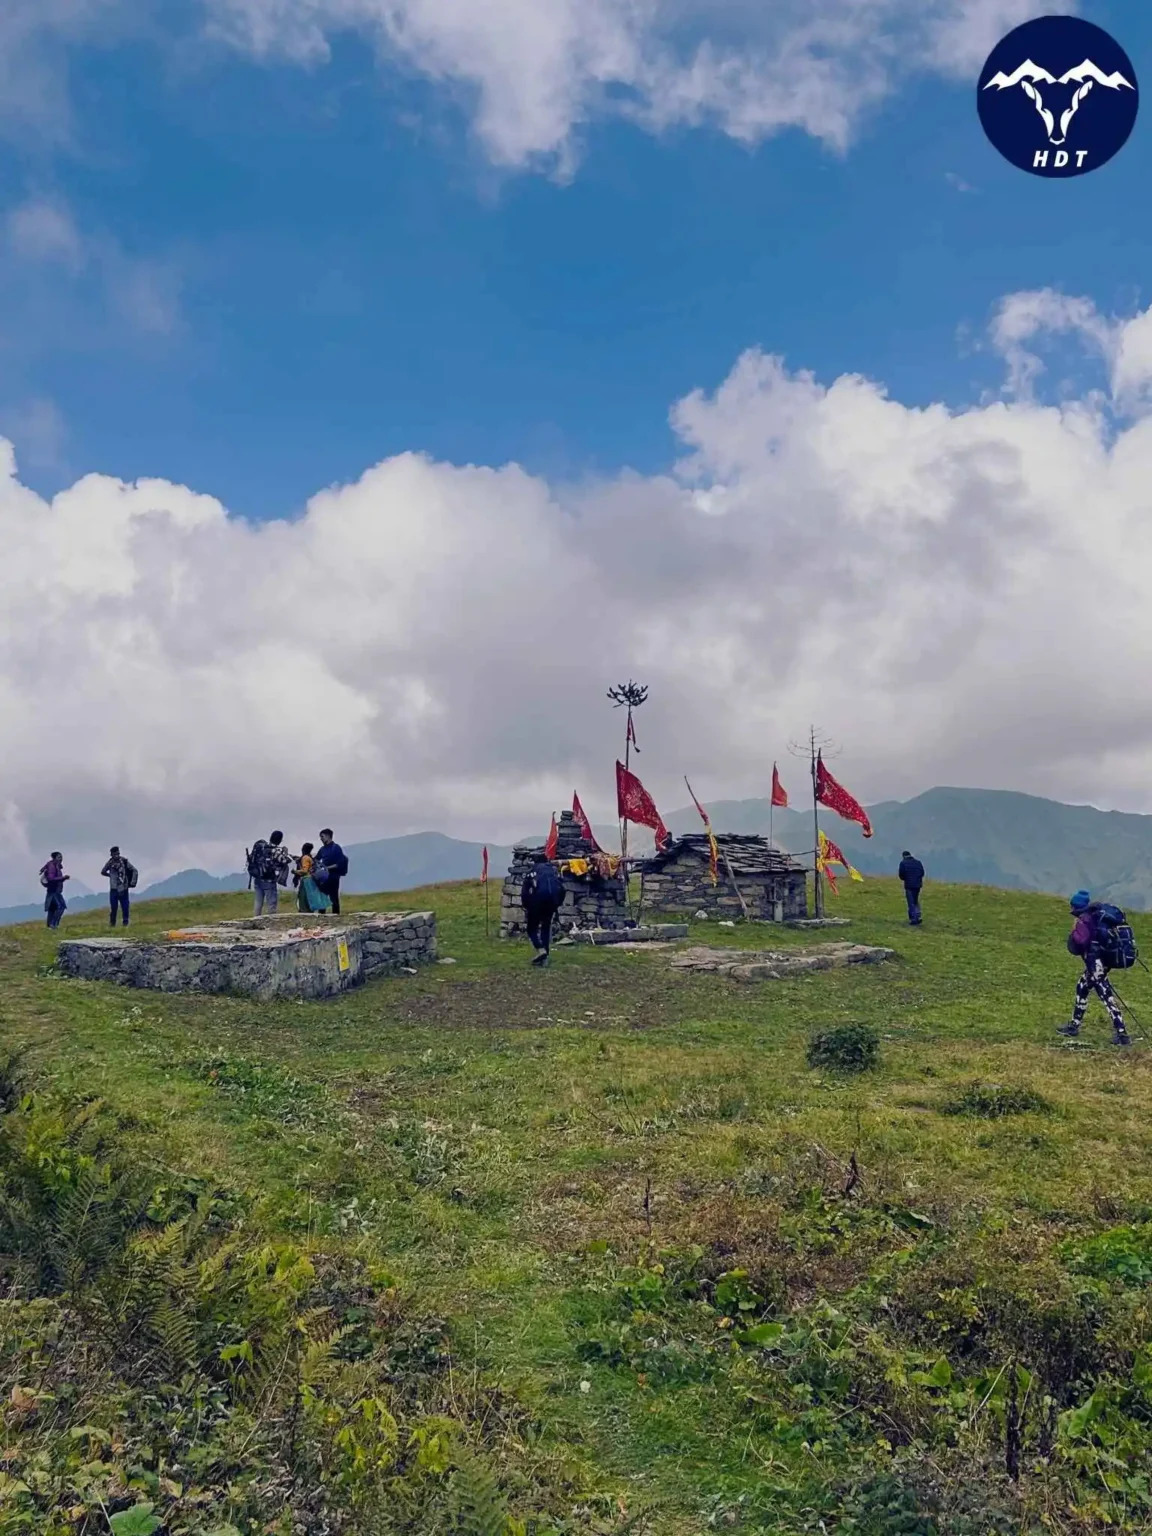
985	836
594	1250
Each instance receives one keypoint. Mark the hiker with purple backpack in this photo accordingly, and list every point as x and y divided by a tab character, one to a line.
1101	938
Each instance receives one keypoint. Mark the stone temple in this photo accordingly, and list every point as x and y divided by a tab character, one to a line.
594	897
773	884
288	956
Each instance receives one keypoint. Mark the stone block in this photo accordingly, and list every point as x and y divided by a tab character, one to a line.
287	956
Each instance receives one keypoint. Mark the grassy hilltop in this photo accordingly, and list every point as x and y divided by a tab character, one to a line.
597	1251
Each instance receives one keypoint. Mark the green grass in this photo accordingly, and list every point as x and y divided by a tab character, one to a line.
564	1166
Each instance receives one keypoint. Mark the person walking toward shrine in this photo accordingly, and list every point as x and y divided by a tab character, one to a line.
542	896
1102	939
121	876
268	866
52	878
911	874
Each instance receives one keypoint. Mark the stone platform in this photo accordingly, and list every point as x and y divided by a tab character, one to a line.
776	965
652	933
292	955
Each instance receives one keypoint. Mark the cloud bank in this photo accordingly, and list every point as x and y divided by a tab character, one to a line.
959	596
532	72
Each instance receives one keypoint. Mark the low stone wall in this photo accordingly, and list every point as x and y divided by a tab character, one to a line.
287	956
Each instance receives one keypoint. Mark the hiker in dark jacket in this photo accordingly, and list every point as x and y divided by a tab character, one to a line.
1084	942
52	878
542	896
331	867
911	872
121	876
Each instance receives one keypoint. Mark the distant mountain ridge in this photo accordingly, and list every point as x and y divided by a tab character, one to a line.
974	836
964	836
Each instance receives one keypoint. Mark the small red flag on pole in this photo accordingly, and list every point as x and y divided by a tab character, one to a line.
553	842
779	793
484	871
581	820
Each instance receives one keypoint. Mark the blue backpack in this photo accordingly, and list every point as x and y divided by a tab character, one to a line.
1115	941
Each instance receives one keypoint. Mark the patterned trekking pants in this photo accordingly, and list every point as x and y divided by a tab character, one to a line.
1095	979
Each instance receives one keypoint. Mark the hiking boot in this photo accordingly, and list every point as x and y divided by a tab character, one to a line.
1121	1037
1071	1029
539	957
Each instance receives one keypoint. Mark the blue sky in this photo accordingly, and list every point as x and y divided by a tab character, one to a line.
346	276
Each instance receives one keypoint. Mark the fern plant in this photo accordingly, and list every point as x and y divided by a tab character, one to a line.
480	1507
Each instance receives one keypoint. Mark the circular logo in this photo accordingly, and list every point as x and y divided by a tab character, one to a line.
1058	96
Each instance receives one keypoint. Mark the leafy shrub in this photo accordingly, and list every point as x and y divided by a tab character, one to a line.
1124	1254
847	1048
992	1101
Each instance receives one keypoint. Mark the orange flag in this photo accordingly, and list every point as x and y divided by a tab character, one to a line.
553	840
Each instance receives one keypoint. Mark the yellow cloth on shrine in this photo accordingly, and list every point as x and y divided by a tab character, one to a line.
577	867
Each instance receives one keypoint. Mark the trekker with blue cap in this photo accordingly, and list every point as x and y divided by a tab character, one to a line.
1103	940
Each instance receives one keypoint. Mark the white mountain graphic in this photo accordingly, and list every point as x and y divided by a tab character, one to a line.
1029	76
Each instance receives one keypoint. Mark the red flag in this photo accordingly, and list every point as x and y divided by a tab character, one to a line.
779	793
632	735
713	850
634	803
553	839
584	824
837	798
484	871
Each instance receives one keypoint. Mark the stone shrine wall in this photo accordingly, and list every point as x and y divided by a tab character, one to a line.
269	958
686	886
591	901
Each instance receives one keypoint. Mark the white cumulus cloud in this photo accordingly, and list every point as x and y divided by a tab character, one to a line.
533	72
958	595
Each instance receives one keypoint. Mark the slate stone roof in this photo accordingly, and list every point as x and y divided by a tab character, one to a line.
748	854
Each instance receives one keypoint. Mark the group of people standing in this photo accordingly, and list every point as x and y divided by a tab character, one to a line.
316	875
120	873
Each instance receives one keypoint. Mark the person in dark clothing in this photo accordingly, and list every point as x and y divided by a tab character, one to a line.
121	876
331	867
911	873
542	896
52	878
1084	942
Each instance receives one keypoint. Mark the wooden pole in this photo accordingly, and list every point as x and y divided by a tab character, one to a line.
727	861
735	887
818	888
487	882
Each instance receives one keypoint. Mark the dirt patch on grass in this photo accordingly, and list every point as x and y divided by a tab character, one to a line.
601	999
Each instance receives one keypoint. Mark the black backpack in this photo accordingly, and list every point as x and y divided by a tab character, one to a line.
1115	941
261	865
547	887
